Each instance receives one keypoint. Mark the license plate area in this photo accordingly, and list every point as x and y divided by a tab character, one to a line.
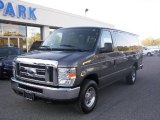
29	95
28	88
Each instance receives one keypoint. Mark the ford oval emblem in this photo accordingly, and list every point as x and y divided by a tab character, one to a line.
31	71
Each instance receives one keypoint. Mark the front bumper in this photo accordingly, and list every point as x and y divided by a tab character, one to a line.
45	92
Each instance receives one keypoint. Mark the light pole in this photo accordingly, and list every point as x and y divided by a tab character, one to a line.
86	10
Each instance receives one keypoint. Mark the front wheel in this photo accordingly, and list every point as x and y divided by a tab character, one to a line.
88	96
131	78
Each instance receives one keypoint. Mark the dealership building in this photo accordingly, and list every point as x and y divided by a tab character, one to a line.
23	23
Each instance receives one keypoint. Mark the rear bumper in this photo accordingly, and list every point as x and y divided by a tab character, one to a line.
45	92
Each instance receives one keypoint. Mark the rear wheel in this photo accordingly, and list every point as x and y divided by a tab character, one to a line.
131	78
88	96
149	54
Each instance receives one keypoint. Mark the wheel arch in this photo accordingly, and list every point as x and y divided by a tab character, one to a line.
92	76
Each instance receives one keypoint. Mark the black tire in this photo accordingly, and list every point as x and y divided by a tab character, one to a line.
131	78
149	54
86	101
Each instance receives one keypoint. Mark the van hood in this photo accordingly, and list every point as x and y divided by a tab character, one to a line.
64	58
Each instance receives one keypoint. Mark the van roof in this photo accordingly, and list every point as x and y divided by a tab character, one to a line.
85	27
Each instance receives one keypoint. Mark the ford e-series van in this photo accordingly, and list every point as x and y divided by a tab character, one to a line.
72	63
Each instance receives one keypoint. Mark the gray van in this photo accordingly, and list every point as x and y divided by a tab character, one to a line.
72	63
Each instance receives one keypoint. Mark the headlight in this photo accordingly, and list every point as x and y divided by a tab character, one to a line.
66	76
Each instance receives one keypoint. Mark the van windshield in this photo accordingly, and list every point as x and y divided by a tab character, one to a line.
83	39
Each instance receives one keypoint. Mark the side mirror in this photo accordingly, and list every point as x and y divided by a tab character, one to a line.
107	48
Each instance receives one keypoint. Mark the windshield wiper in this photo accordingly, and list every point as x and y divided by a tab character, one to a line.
80	50
62	49
65	45
71	46
45	47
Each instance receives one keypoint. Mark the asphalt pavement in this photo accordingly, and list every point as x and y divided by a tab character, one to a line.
116	102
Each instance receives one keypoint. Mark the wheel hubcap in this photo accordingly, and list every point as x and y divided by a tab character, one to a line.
90	97
133	76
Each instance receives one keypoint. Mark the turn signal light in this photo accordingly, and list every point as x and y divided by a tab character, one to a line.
71	75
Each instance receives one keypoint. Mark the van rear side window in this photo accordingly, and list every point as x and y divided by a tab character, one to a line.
124	41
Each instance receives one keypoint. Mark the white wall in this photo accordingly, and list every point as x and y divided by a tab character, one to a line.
52	17
45	32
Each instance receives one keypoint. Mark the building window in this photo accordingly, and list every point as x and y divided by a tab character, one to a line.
13	35
12	30
19	36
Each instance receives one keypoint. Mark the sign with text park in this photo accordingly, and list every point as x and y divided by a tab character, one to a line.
21	11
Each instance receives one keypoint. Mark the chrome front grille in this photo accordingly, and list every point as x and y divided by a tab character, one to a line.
36	73
32	72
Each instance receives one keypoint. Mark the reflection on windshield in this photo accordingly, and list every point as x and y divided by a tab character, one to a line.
83	39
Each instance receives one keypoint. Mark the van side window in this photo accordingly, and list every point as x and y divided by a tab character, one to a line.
125	42
105	38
